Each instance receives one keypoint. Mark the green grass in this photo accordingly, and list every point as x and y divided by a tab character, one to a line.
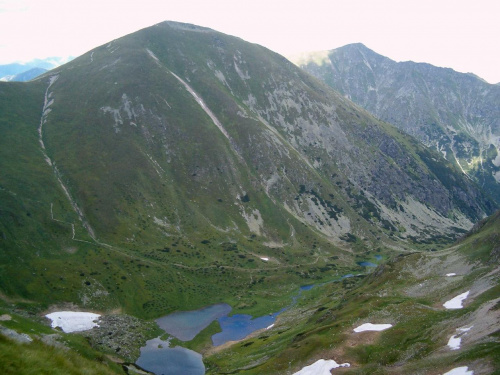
38	358
72	356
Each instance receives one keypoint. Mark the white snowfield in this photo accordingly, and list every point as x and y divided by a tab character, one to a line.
321	367
73	321
455	341
264	259
460	371
451	274
372	327
456	303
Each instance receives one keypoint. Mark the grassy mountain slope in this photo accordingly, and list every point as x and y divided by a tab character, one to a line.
304	128
454	113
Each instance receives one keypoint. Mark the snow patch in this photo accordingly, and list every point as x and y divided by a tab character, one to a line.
454	342
271	326
460	371
321	367
465	329
111	64
372	327
243	76
127	106
238	60
45	111
456	303
73	321
265	259
451	274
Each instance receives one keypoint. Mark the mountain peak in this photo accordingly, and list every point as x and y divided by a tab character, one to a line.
359	49
184	26
359	46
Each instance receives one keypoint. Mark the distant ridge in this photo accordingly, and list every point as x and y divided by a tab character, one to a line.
457	114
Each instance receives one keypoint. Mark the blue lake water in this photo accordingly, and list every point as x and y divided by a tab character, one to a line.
239	326
378	257
159	358
367	264
185	325
307	287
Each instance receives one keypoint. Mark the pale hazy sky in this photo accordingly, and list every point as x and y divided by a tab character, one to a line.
463	35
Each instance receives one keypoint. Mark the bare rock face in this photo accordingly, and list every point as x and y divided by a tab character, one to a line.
454	113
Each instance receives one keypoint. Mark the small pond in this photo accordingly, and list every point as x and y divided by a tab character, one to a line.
307	287
185	325
367	264
158	357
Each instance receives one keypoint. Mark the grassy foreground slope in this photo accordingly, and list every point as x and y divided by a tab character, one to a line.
408	292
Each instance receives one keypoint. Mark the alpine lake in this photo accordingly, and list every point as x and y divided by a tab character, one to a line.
159	357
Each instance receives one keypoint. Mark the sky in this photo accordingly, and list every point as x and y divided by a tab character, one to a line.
463	35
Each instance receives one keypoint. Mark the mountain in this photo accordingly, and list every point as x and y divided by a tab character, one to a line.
24	76
454	113
178	167
31	69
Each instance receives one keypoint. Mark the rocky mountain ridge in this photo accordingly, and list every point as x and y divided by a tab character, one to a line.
454	113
